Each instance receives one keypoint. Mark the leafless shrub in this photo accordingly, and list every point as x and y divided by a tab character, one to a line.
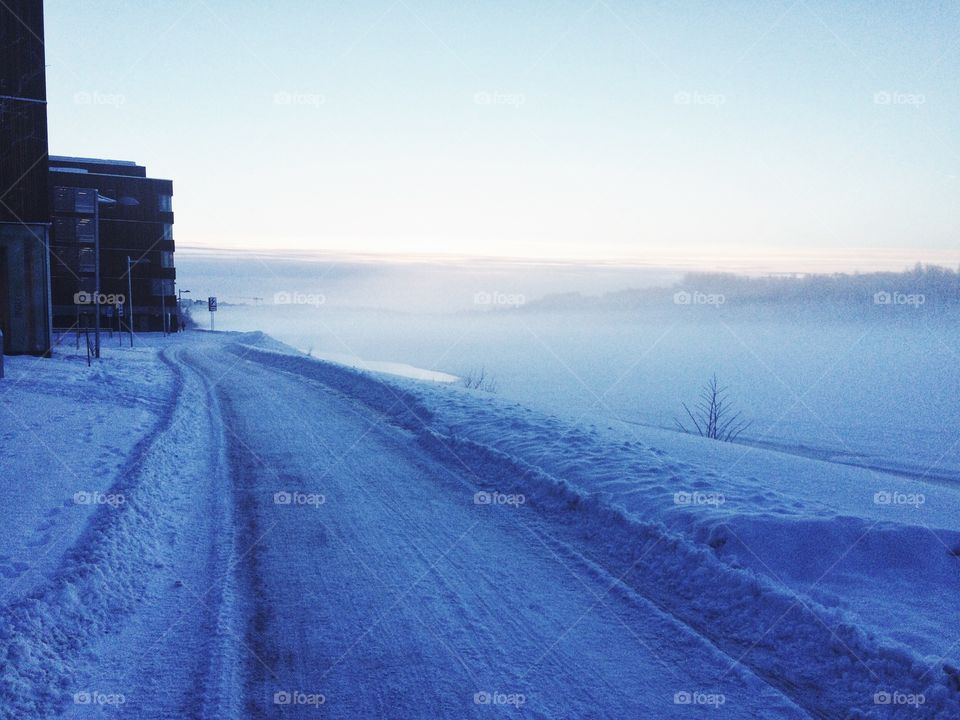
479	380
713	416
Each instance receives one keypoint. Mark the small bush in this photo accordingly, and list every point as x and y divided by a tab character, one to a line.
713	416
479	380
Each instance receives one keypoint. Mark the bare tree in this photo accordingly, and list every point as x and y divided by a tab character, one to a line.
479	380
713	417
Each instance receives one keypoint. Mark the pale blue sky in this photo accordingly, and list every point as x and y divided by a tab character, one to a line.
790	132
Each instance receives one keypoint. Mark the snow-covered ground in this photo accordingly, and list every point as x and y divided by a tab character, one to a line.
115	526
876	391
269	535
67	432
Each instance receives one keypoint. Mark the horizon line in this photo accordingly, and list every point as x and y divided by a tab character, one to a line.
849	261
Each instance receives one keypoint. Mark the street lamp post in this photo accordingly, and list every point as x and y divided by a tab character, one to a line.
96	281
130	265
180	294
130	300
163	310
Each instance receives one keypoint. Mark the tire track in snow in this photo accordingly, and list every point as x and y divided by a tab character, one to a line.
219	689
43	636
112	618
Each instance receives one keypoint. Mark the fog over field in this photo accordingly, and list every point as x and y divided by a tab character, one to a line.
856	369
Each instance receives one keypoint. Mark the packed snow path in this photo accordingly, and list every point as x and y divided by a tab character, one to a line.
376	585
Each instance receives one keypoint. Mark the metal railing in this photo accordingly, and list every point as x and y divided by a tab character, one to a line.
84	341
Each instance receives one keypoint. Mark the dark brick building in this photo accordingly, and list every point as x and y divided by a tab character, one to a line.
24	196
133	216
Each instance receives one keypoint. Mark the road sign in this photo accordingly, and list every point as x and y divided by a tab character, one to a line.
212	304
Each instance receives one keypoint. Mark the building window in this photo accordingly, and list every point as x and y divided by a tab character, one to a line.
166	259
64	229
88	260
162	287
165	202
167	232
86	231
82	201
86	201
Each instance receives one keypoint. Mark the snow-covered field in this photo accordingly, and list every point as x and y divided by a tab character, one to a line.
877	391
217	526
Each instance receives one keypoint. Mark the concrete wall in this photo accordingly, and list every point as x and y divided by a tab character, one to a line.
25	289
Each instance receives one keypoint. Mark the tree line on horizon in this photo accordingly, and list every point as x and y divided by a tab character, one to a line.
937	285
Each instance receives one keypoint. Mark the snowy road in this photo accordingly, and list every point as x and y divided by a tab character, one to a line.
375	586
296	539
